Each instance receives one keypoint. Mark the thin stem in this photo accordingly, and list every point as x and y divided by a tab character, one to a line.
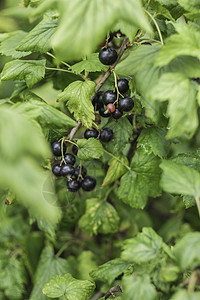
64	247
66	140
64	70
197	199
108	192
117	159
118	93
64	63
73	131
156	24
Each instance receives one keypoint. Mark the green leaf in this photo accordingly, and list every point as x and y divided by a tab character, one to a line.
152	140
187	250
116	169
32	71
9	42
39	38
90	64
190	159
193	6
182	108
138	288
126	28
49	265
95	18
185	295
180	179
89	149
159	9
169	272
86	263
110	270
69	287
185	42
100	217
78	97
146	246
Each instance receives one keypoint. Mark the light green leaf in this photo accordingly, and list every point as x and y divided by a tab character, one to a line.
182	110
169	272
152	140
39	38
146	246
126	28
187	250
90	64
185	295
32	71
116	169
49	265
193	6
110	270
180	179
78	97
89	22
69	287
86	263
100	217
9	42
198	96
138	288
159	9
89	149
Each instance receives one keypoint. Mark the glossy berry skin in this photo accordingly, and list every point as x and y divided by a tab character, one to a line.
109	97
108	56
88	184
56	148
111	107
73	185
102	113
70	159
126	104
98	100
83	172
91	133
106	135
67	170
117	114
56	170
122	85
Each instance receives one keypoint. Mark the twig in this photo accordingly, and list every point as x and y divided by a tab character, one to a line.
111	291
74	131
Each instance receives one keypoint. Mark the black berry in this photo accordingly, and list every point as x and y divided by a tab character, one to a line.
73	185
106	135
102	113
83	172
56	170
88	184
56	148
107	56
117	114
98	100
146	43
122	85
67	170
130	118
126	104
70	159
91	133
109	97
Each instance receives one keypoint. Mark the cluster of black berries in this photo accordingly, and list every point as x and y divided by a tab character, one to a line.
76	176
105	134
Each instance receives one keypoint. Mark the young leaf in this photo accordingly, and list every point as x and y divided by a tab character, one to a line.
90	64
116	169
69	287
110	270
185	295
39	38
100	217
78	97
89	149
32	71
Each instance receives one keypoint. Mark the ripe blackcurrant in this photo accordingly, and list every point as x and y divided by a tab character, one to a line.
111	107
83	172
56	170
57	149
88	183
73	185
91	133
109	97
98	100
117	114
107	56
67	170
106	135
126	104
122	85
102	113
70	159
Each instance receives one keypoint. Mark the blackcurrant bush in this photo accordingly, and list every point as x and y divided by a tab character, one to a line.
70	159
83	172
103	114
57	149
88	183
91	133
107	56
56	170
122	85
75	149
109	97
111	107
73	185
117	114
106	135
146	43
67	170
126	104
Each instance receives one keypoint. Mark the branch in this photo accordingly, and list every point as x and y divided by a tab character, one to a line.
74	131
113	290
